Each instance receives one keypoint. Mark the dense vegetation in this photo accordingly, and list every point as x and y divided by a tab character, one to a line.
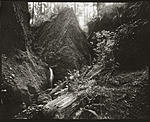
102	74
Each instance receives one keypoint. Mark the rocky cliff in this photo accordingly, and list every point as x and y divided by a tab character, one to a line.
61	43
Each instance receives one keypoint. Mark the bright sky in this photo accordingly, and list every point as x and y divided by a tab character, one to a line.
85	12
107	4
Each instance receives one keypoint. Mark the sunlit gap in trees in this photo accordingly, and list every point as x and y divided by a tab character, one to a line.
107	4
84	11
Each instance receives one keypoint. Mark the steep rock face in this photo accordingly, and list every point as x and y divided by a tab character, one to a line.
23	77
132	26
14	23
23	74
133	36
61	41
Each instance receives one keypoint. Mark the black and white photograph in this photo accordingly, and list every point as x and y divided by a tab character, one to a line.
75	60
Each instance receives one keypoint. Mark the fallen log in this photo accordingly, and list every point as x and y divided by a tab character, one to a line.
88	75
61	92
96	69
63	107
58	88
66	105
53	91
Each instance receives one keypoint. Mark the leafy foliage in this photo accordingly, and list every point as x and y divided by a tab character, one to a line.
103	44
101	94
116	98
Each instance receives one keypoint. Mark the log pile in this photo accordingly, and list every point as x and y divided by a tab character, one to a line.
106	98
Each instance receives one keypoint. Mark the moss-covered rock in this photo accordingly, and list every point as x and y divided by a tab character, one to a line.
61	42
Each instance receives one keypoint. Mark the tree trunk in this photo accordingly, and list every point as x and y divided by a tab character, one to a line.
97	9
33	13
75	10
84	13
41	8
